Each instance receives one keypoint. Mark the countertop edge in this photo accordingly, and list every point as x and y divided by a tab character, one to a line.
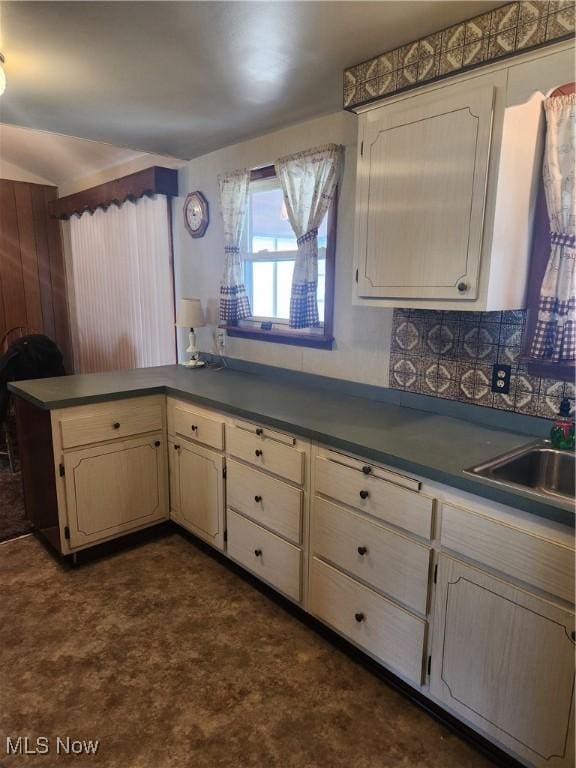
459	481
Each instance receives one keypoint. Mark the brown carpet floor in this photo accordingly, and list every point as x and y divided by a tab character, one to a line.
171	660
13	520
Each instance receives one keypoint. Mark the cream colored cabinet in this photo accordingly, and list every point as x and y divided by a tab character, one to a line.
114	488
446	184
422	183
503	659
197	490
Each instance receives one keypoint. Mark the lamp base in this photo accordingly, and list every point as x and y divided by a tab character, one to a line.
193	363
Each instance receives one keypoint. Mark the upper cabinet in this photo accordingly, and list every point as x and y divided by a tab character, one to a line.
446	185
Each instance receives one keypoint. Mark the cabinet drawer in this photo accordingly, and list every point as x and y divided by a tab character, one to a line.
406	509
391	634
388	561
109	421
520	554
270	502
198	427
272	559
267	453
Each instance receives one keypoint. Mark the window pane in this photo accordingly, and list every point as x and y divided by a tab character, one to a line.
263	288
260	243
270	222
284	289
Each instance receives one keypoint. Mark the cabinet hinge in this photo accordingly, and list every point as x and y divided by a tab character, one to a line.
225	536
66	532
62	470
429	665
361	149
356	275
436	573
224	473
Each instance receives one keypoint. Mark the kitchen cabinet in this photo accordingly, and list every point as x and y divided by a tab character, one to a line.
114	488
503	660
446	185
197	488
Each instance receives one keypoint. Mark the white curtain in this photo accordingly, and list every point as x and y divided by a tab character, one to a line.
122	287
555	334
309	180
234	303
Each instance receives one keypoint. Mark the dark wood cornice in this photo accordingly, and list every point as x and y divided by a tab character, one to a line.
151	181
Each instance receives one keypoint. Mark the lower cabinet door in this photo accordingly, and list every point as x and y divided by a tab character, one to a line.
393	635
115	488
198	485
504	659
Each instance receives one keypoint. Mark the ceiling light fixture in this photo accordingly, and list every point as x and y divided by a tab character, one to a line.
2	76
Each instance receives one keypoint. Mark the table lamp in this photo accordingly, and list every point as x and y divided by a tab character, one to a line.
191	315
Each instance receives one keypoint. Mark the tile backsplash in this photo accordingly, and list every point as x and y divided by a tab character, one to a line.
451	354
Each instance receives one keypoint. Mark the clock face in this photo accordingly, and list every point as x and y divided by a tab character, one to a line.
196	214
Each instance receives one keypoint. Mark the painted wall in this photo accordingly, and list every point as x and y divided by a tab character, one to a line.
13	172
362	347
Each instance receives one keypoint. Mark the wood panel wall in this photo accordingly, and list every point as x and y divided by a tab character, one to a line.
32	271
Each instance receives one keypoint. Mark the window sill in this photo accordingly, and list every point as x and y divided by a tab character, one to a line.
561	371
316	341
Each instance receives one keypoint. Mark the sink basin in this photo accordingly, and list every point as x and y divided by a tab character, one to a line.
537	467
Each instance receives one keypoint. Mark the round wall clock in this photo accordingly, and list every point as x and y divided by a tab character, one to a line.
196	216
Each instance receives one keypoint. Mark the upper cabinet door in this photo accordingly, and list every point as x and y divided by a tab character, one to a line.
421	193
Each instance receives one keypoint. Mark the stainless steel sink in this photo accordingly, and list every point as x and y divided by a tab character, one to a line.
536	467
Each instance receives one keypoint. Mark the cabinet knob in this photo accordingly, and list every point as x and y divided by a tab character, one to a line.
176	447
462	287
257	499
359	617
259	431
362	550
258	452
364	494
258	552
116	425
157	443
194	428
366	469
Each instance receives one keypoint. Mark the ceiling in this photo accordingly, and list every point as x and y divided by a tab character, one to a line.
185	78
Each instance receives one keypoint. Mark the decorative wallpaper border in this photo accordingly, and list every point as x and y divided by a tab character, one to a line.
508	30
450	355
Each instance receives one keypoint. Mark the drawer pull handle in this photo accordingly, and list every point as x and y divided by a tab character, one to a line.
259	431
359	617
116	425
366	469
364	494
157	443
194	428
362	550
258	452
258	552
257	499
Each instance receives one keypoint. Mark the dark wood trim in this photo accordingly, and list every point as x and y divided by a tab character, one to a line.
151	181
294	338
538	263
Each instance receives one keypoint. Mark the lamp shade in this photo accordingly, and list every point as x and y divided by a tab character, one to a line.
190	314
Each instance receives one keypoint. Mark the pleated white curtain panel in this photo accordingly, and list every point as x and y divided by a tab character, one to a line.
123	302
309	180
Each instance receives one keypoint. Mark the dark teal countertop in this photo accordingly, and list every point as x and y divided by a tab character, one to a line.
431	444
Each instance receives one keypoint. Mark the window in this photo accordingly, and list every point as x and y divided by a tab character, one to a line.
269	249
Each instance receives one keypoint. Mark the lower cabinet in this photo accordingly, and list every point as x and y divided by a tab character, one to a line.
197	490
504	660
112	489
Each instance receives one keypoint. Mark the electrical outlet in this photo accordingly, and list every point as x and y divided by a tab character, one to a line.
220	338
501	378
